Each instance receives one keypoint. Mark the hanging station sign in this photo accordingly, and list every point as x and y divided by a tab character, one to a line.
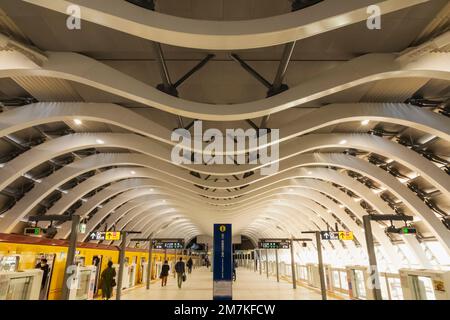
274	243
32	231
168	243
104	236
336	235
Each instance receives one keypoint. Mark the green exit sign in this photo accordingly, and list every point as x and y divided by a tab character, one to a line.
407	230
32	231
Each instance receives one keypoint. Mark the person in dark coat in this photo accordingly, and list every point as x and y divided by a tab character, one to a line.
164	273
45	269
180	269
189	265
108	281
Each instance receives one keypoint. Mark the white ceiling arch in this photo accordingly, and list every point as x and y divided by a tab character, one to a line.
362	70
224	35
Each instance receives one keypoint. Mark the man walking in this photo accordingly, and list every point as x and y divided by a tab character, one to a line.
180	269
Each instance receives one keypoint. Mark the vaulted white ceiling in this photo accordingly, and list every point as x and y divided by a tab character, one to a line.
364	125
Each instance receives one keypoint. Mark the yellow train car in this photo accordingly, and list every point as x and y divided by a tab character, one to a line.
24	252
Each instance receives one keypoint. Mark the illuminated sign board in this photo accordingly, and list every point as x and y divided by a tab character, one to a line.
32	231
329	235
101	235
339	235
346	235
407	230
274	244
168	243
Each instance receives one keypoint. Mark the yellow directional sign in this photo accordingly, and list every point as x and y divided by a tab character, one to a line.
112	235
345	235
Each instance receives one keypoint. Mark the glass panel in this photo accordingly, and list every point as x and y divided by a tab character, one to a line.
396	289
83	285
9	263
18	288
384	288
360	285
336	279
424	288
344	283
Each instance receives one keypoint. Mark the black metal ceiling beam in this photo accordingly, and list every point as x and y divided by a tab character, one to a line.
146	4
166	85
196	68
302	4
250	70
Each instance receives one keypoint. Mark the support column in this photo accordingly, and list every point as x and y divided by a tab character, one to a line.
70	257
323	287
276	261
294	278
259	261
149	264
374	276
121	265
267	263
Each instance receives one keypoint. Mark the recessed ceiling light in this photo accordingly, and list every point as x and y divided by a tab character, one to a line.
100	141
78	122
133	172
151	190
365	122
290	190
309	172
343	141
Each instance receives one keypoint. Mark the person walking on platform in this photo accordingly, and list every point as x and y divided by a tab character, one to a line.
108	281
164	273
180	270
189	264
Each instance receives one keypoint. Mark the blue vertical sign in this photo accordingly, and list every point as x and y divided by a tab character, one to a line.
222	267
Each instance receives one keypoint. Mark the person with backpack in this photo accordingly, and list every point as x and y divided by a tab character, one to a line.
108	281
164	273
180	270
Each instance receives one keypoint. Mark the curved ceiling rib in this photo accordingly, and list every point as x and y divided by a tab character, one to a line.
224	35
54	148
365	69
396	113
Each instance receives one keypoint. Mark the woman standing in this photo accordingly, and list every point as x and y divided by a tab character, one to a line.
108	281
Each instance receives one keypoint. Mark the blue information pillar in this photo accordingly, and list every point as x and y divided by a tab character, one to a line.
223	270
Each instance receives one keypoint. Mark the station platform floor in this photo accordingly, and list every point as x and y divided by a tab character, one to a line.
249	285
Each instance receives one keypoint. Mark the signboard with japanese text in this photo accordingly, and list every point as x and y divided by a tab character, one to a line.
274	243
222	263
168	243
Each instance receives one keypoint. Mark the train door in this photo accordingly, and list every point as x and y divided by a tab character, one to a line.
97	262
45	290
142	270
